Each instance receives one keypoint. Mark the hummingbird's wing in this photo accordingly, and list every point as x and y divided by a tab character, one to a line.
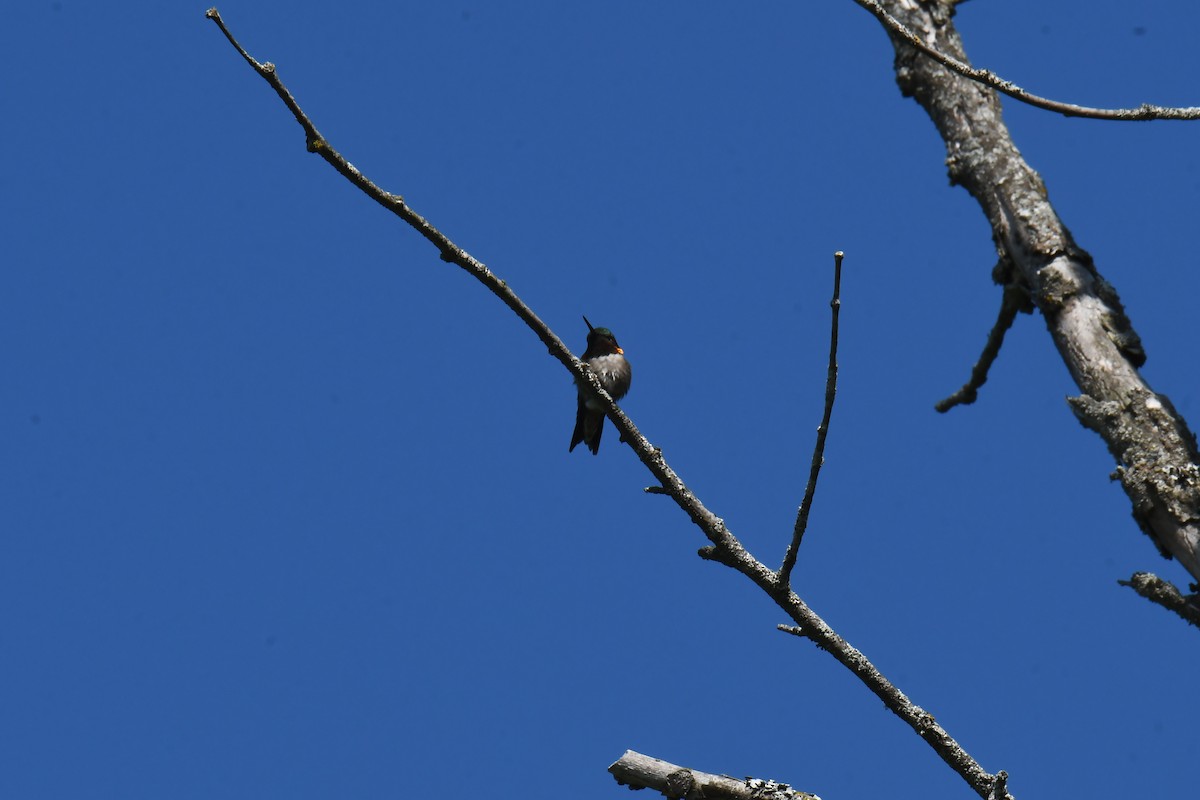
588	427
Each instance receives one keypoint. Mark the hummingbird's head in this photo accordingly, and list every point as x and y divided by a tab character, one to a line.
601	342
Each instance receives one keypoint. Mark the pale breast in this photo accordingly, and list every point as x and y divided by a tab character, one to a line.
614	373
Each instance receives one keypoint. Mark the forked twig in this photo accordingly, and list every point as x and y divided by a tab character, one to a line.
724	547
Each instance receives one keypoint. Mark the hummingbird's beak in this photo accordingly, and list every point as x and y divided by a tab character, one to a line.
590	328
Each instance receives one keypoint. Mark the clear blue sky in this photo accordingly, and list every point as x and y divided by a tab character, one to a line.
287	505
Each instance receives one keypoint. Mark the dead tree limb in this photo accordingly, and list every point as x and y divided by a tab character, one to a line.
1156	453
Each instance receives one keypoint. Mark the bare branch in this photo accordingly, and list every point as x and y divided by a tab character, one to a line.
1146	111
898	703
724	547
651	456
1167	595
818	458
643	772
1013	300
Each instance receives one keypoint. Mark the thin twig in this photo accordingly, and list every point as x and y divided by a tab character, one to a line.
1011	302
725	548
1146	111
818	457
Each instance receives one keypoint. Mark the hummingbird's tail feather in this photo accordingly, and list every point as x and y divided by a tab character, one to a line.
593	442
579	433
588	427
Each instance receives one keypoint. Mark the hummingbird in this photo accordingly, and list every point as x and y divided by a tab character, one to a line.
607	361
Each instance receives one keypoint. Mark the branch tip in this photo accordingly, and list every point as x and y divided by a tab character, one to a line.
784	574
1166	594
1010	303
